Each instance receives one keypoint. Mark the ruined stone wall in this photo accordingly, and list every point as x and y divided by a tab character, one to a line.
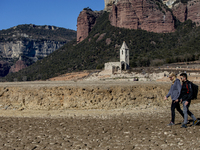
109	65
112	67
97	96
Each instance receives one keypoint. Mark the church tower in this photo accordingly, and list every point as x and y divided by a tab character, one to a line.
124	56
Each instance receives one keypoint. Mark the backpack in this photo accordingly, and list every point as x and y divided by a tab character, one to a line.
195	89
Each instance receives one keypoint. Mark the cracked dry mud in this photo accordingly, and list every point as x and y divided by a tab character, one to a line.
145	131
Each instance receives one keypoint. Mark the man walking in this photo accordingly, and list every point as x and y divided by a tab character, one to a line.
174	92
185	97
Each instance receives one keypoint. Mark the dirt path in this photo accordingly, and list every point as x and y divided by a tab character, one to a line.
96	129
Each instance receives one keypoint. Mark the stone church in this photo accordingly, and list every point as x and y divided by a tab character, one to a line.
118	67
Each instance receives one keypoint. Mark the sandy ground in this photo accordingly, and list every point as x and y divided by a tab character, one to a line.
119	129
70	76
79	83
116	129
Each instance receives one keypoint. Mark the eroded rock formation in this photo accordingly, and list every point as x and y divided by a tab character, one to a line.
33	48
18	66
180	11
191	11
83	96
139	14
108	4
147	15
142	14
85	22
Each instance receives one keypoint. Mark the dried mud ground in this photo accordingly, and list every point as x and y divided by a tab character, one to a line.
97	129
128	128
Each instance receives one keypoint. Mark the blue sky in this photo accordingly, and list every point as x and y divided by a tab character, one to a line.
60	13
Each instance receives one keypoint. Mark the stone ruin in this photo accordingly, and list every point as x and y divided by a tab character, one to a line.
123	64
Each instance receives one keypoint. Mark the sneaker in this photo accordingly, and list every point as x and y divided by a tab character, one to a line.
195	122
184	126
170	124
186	123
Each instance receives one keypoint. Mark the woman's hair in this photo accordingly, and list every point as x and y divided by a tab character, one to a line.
173	75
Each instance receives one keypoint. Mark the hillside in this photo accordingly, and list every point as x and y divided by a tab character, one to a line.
29	43
31	31
103	44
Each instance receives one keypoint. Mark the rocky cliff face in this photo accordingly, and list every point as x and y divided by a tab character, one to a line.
169	3
147	15
108	4
187	11
85	22
31	41
18	66
132	14
31	48
142	14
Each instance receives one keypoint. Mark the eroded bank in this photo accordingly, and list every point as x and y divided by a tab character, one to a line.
82	95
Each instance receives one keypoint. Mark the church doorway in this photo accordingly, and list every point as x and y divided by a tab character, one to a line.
123	66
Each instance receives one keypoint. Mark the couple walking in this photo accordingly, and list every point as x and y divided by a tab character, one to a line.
181	93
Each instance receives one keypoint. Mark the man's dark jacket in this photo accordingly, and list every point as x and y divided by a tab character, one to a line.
186	91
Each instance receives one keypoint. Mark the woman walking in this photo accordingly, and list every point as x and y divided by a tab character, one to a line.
174	92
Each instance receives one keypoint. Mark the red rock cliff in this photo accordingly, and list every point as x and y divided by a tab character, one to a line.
191	11
141	14
18	66
85	22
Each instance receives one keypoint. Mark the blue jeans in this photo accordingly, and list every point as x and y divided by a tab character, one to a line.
186	112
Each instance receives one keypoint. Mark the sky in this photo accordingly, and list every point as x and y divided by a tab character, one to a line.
60	13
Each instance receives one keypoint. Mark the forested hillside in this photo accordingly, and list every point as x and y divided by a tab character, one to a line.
29	43
103	44
31	31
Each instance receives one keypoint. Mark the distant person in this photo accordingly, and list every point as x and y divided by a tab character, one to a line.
174	92
185	97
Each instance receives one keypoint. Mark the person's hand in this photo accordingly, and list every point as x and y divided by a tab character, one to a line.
186	103
165	98
181	100
176	101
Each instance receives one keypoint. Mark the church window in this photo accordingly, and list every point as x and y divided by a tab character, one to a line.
122	52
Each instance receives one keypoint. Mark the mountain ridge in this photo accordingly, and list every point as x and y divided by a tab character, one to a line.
149	15
103	43
31	41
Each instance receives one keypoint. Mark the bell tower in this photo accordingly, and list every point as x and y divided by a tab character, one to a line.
124	56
